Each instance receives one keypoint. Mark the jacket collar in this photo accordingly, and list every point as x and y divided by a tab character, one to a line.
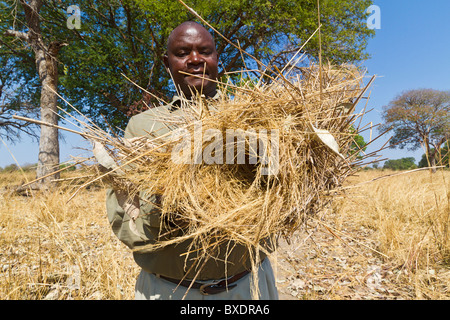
177	101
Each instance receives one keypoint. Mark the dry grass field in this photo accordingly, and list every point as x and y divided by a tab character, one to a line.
387	239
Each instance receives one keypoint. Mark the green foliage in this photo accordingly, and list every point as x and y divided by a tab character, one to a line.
14	167
358	144
418	117
443	158
18	81
10	168
129	37
68	166
31	167
400	164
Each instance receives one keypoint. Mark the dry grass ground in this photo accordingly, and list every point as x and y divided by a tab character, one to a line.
54	249
388	239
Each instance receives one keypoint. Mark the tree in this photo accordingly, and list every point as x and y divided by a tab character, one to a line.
400	164
358	145
29	33
15	98
442	159
419	118
10	168
18	84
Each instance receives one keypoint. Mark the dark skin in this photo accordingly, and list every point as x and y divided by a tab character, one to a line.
191	49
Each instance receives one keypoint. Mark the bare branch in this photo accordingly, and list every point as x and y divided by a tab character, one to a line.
18	34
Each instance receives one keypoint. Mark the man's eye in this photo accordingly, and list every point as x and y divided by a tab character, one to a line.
181	54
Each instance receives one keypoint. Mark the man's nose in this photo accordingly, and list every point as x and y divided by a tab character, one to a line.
195	58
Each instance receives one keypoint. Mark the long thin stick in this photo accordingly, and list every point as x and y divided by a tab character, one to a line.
85	135
320	48
330	229
225	38
15	160
52	173
146	91
388	176
299	50
76	110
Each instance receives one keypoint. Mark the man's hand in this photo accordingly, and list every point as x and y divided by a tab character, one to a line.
131	207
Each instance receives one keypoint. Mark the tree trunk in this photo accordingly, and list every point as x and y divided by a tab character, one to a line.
47	67
431	156
433	162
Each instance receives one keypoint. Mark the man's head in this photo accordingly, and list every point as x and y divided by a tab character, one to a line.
191	49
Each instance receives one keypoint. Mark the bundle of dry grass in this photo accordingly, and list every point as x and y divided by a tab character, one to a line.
253	164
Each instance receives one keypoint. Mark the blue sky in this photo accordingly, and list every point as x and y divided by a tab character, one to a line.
410	51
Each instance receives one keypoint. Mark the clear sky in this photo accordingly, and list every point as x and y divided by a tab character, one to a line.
410	51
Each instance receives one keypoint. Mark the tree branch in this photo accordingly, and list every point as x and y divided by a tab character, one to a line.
18	34
15	52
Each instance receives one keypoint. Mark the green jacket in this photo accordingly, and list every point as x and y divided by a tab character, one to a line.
169	260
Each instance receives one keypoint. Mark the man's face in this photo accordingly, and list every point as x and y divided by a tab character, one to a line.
191	49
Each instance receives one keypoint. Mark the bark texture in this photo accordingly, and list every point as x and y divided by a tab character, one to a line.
47	69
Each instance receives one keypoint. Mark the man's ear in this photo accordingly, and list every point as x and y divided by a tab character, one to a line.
165	58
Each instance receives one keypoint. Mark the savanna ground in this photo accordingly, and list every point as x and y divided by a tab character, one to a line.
387	239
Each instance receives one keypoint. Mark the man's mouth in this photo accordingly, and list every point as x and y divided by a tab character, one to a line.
198	73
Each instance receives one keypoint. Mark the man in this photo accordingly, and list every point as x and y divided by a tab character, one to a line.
190	49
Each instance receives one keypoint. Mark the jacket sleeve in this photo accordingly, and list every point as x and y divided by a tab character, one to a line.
148	223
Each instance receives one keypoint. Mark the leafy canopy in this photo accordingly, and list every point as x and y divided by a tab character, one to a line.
129	37
418	117
400	164
18	81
